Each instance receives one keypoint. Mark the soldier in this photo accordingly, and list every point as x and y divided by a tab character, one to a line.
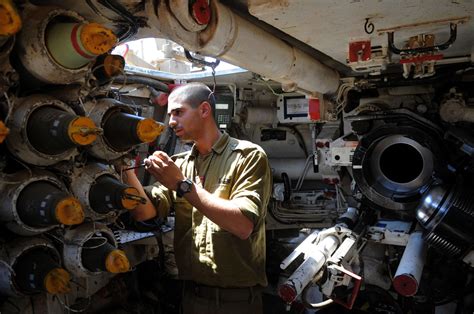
219	191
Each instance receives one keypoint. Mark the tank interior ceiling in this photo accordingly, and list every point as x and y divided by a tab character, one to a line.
329	26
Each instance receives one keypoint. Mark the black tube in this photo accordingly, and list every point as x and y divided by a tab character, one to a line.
31	269
106	194
95	252
47	130
36	204
120	130
142	80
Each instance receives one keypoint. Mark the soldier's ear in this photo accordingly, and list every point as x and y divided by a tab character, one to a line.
205	109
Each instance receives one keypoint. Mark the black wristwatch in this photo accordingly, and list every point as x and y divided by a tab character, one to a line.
184	187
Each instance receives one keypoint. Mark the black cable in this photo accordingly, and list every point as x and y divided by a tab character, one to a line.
287	185
131	21
147	81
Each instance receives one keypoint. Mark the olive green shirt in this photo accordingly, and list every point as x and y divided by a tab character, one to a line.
235	170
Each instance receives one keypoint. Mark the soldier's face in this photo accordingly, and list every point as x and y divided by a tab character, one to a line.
184	120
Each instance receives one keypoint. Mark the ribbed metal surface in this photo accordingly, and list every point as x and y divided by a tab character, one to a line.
463	200
442	244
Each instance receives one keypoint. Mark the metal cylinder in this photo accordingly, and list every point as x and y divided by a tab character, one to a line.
408	275
31	270
233	39
52	124
392	165
74	45
447	213
34	202
120	130
31	265
33	52
108	193
99	256
76	243
28	113
42	204
81	185
108	66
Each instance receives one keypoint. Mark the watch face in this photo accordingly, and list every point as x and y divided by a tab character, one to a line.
184	186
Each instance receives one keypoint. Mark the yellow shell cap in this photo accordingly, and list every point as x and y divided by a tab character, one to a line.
69	211
3	131
117	262
132	201
148	130
10	22
82	131
113	65
57	281
97	39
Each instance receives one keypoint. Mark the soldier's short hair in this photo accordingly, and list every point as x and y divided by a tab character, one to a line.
193	94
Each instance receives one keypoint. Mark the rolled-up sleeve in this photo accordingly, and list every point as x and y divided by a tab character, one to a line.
251	190
160	196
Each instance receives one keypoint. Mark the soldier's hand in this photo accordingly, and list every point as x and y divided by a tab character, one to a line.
163	168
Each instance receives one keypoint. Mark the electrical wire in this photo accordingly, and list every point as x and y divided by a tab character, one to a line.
341	96
319	211
131	22
258	78
303	173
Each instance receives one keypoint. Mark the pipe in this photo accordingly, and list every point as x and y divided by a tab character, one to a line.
121	79
233	39
454	110
408	275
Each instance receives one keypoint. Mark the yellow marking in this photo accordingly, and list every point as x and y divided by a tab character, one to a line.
97	39
69	211
117	262
57	281
10	21
148	130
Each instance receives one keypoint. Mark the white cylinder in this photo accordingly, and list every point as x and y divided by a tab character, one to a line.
308	269
241	43
407	277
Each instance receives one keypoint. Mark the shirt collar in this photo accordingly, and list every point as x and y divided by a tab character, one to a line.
218	146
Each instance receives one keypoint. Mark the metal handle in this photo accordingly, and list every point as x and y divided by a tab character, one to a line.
443	46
